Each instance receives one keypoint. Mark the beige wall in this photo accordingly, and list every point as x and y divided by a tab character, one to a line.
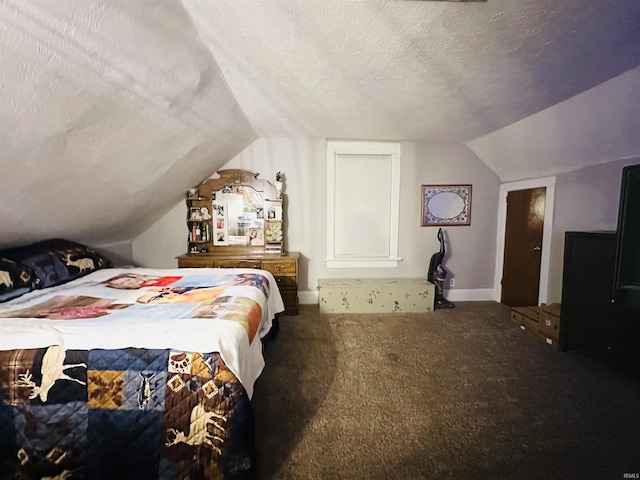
587	199
470	249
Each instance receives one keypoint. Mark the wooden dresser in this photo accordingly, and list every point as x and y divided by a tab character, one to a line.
284	268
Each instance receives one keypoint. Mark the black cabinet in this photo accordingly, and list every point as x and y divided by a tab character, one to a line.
590	321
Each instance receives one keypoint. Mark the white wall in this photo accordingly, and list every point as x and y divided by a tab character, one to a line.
596	126
159	245
587	199
470	249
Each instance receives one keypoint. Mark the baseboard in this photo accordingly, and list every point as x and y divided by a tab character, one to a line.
475	295
308	297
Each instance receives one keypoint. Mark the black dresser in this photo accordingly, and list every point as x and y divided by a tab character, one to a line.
589	321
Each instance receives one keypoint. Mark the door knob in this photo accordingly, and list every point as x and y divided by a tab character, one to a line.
537	249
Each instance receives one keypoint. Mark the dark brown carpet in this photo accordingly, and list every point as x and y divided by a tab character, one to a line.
454	394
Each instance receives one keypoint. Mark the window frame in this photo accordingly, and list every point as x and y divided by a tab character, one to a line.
343	150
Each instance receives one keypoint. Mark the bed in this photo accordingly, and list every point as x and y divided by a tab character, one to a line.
121	373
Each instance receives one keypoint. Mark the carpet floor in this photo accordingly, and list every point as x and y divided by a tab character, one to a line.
454	394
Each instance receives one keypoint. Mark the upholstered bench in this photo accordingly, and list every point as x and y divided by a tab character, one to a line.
375	295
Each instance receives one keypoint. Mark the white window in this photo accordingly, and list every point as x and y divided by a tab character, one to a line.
363	182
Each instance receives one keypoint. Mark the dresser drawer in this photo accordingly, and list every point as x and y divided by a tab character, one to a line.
237	263
280	267
195	261
286	281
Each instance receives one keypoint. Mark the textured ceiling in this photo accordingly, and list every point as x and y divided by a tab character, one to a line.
412	70
111	109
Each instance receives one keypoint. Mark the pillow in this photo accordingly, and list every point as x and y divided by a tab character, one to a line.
57	261
12	293
15	279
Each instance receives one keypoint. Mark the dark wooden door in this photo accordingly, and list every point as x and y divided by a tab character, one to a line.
523	247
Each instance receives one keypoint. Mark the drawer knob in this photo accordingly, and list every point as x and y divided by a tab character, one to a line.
279	267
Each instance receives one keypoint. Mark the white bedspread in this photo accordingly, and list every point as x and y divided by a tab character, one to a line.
120	320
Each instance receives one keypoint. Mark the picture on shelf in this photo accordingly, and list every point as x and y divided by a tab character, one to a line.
256	236
195	214
221	231
274	209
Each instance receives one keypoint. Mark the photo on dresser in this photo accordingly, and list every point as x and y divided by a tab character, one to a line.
256	236
274	209
220	229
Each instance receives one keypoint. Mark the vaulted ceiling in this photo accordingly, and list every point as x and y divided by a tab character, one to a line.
412	70
117	107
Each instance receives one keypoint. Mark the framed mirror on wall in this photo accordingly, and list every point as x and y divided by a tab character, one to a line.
447	205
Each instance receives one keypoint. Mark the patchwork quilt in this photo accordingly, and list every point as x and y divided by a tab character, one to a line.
134	373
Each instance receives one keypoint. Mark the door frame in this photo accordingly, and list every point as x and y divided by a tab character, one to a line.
545	260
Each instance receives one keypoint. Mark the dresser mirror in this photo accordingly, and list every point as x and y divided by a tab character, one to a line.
243	221
235	213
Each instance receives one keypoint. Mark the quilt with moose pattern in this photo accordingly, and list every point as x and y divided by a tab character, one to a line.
134	373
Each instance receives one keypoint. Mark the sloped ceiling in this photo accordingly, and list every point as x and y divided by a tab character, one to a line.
110	110
412	70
